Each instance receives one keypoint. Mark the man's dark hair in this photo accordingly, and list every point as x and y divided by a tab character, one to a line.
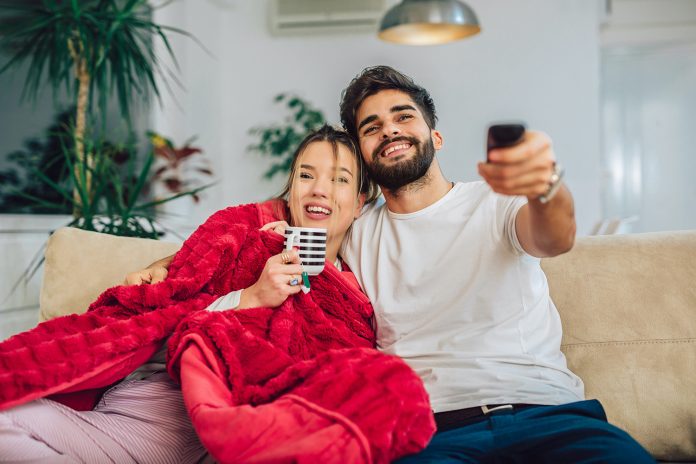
375	79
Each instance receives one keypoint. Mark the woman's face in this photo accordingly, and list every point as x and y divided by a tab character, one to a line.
324	191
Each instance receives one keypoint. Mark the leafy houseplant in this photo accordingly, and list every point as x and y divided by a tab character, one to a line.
113	203
42	180
94	48
173	166
280	140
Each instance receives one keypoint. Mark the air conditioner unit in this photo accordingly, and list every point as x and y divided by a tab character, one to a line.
308	16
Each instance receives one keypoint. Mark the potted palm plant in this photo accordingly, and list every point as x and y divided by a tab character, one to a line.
94	49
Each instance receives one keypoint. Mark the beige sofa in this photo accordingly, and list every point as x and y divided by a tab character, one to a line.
628	305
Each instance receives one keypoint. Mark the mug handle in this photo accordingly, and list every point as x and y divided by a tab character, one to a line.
290	243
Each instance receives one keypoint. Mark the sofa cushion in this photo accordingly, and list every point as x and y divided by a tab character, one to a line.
80	265
628	307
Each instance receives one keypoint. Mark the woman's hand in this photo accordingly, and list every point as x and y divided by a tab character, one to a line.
278	227
274	284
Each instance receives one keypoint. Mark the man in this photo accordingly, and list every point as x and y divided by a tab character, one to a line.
453	273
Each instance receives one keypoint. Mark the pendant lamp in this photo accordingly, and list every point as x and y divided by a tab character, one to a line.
428	22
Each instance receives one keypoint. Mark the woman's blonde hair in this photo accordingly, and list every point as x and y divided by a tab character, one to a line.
327	133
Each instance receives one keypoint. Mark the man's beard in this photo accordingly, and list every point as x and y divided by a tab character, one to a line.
404	172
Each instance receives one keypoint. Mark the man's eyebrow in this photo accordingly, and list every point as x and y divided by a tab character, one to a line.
397	108
367	120
393	109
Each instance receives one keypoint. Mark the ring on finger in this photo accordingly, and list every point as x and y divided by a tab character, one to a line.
285	257
294	280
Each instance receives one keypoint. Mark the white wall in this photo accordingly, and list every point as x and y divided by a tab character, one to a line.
535	60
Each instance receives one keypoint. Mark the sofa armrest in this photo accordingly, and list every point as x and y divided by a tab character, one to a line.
80	265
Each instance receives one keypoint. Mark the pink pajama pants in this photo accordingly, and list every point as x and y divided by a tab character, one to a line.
136	421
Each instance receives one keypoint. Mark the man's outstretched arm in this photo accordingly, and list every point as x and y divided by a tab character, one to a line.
546	230
543	229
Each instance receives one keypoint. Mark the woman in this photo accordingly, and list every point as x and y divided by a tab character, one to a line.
334	188
255	367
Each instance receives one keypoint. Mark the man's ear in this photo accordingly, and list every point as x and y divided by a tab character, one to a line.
437	138
359	205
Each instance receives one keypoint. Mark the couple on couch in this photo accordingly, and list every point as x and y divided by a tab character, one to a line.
464	322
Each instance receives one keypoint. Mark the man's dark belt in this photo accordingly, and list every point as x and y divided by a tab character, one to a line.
449	420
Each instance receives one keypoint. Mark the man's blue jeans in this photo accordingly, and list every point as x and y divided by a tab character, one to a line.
570	433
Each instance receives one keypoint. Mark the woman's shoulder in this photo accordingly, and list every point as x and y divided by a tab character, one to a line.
251	214
272	210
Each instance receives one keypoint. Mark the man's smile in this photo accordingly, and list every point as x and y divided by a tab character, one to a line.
395	149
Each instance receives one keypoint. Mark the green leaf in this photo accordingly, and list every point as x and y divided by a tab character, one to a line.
39	201
188	193
142	179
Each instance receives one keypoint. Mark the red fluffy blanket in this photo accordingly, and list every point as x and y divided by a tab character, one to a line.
298	383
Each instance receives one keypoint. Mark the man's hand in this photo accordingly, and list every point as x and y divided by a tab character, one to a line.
153	274
543	228
524	169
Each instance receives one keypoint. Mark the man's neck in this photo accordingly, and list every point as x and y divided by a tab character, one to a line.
420	193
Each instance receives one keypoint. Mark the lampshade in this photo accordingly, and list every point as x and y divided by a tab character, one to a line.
428	22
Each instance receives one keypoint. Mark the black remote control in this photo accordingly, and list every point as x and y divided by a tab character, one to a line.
504	135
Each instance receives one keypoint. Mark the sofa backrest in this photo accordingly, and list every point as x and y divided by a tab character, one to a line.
628	307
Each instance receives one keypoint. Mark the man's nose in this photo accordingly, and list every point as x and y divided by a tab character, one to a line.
389	130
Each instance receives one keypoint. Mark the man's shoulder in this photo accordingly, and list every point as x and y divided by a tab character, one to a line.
372	210
480	192
475	187
366	221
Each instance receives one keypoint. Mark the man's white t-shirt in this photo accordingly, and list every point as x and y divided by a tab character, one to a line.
458	299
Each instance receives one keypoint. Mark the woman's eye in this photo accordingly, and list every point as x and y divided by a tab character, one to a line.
305	175
343	180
